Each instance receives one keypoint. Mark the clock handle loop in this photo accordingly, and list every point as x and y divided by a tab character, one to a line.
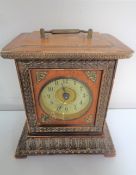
65	31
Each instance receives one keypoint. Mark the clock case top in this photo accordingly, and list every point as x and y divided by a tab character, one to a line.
66	51
66	46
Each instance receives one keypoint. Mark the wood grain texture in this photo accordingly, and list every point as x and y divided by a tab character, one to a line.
66	46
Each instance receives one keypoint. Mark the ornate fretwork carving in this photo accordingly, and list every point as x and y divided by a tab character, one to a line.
107	67
65	145
68	56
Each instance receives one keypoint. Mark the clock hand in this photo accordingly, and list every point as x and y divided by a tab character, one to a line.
61	107
63	88
65	94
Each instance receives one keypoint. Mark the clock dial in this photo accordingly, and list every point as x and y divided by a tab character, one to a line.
65	98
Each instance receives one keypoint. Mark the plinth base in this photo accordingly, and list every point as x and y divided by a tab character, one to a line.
33	145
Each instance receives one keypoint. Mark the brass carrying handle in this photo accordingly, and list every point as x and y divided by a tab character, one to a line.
65	31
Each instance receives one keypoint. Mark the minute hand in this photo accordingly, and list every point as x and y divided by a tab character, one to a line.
61	105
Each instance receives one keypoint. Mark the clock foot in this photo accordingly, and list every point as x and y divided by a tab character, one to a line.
30	145
110	154
20	156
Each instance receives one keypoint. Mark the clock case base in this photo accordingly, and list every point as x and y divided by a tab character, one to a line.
40	145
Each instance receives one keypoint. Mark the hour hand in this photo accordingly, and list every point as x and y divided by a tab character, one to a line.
63	88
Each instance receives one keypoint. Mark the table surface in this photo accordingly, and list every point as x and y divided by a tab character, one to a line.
123	131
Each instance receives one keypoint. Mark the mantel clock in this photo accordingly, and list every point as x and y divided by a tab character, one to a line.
66	77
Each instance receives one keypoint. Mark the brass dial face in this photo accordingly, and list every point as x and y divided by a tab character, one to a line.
65	98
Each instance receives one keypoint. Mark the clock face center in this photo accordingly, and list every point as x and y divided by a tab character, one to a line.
66	96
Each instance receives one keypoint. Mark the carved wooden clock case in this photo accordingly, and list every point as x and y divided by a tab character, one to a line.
66	78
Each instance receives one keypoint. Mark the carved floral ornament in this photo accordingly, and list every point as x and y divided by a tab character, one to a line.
40	76
91	75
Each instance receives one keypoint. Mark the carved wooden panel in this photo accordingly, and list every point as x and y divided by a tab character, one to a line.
107	67
65	145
